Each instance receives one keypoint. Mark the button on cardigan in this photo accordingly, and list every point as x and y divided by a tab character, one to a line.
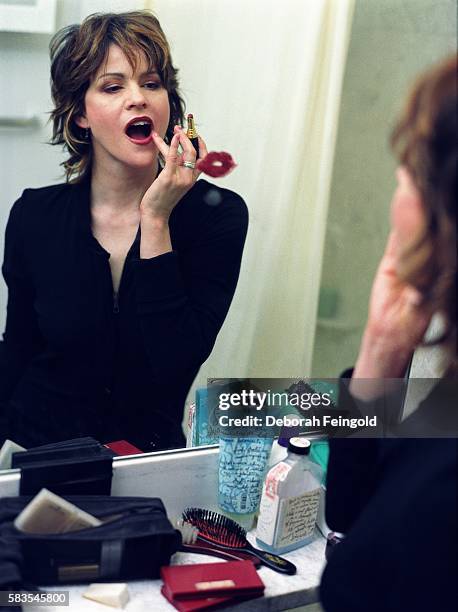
80	360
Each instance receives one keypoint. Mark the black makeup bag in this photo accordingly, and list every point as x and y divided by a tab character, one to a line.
134	541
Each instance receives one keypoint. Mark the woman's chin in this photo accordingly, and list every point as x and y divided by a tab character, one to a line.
142	162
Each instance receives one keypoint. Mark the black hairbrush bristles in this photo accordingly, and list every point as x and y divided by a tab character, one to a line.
226	534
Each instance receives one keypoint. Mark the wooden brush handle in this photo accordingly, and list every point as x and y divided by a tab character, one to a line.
203	548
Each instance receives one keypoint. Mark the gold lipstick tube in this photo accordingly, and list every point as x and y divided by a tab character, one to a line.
191	132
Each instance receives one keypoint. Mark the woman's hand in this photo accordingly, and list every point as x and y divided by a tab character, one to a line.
397	322
165	193
175	179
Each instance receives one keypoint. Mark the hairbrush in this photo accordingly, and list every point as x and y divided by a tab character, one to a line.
193	543
225	534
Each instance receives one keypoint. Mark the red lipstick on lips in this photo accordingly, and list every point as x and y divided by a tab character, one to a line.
139	130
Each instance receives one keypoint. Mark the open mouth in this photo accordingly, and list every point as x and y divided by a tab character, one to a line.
139	130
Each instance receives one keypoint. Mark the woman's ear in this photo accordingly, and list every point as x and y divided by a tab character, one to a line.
81	121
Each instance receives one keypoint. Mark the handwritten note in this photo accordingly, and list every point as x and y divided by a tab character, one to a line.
297	518
242	464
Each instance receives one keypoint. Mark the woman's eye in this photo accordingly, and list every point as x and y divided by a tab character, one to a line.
112	88
152	85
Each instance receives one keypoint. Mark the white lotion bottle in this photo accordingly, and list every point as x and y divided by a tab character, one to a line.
290	500
280	446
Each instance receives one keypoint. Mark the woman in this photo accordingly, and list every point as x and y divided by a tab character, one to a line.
396	499
119	279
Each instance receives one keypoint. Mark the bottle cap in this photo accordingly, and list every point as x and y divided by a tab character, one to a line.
300	446
288	431
283	441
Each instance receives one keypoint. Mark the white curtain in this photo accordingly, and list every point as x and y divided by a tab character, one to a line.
263	79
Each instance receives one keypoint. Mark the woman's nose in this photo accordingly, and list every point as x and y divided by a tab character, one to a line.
135	97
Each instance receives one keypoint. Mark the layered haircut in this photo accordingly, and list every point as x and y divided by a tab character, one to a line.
426	142
77	52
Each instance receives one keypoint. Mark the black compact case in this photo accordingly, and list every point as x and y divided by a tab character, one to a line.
134	541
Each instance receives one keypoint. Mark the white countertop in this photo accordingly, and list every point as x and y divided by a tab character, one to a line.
281	592
187	478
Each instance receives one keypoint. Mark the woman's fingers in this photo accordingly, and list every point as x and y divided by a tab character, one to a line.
160	144
412	296
171	157
390	256
168	152
175	179
391	244
189	153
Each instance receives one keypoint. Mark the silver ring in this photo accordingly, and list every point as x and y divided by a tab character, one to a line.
188	164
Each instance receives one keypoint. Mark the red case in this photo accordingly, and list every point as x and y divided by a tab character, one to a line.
189	605
121	447
210	603
205	580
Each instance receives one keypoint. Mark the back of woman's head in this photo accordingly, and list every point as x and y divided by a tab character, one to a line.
77	52
426	141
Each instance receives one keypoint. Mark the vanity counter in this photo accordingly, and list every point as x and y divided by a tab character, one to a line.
184	478
282	592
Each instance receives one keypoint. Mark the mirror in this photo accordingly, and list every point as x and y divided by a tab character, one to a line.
305	111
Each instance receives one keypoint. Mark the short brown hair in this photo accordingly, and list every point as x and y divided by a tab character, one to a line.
426	141
77	52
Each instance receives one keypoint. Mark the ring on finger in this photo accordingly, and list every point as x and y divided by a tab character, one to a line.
189	164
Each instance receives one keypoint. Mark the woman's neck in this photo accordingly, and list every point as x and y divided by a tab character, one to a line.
119	189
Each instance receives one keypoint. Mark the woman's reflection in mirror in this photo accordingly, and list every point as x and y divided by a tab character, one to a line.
120	278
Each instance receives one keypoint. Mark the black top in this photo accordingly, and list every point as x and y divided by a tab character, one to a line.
79	360
396	501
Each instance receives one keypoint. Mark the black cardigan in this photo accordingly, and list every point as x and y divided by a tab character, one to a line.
79	360
396	501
